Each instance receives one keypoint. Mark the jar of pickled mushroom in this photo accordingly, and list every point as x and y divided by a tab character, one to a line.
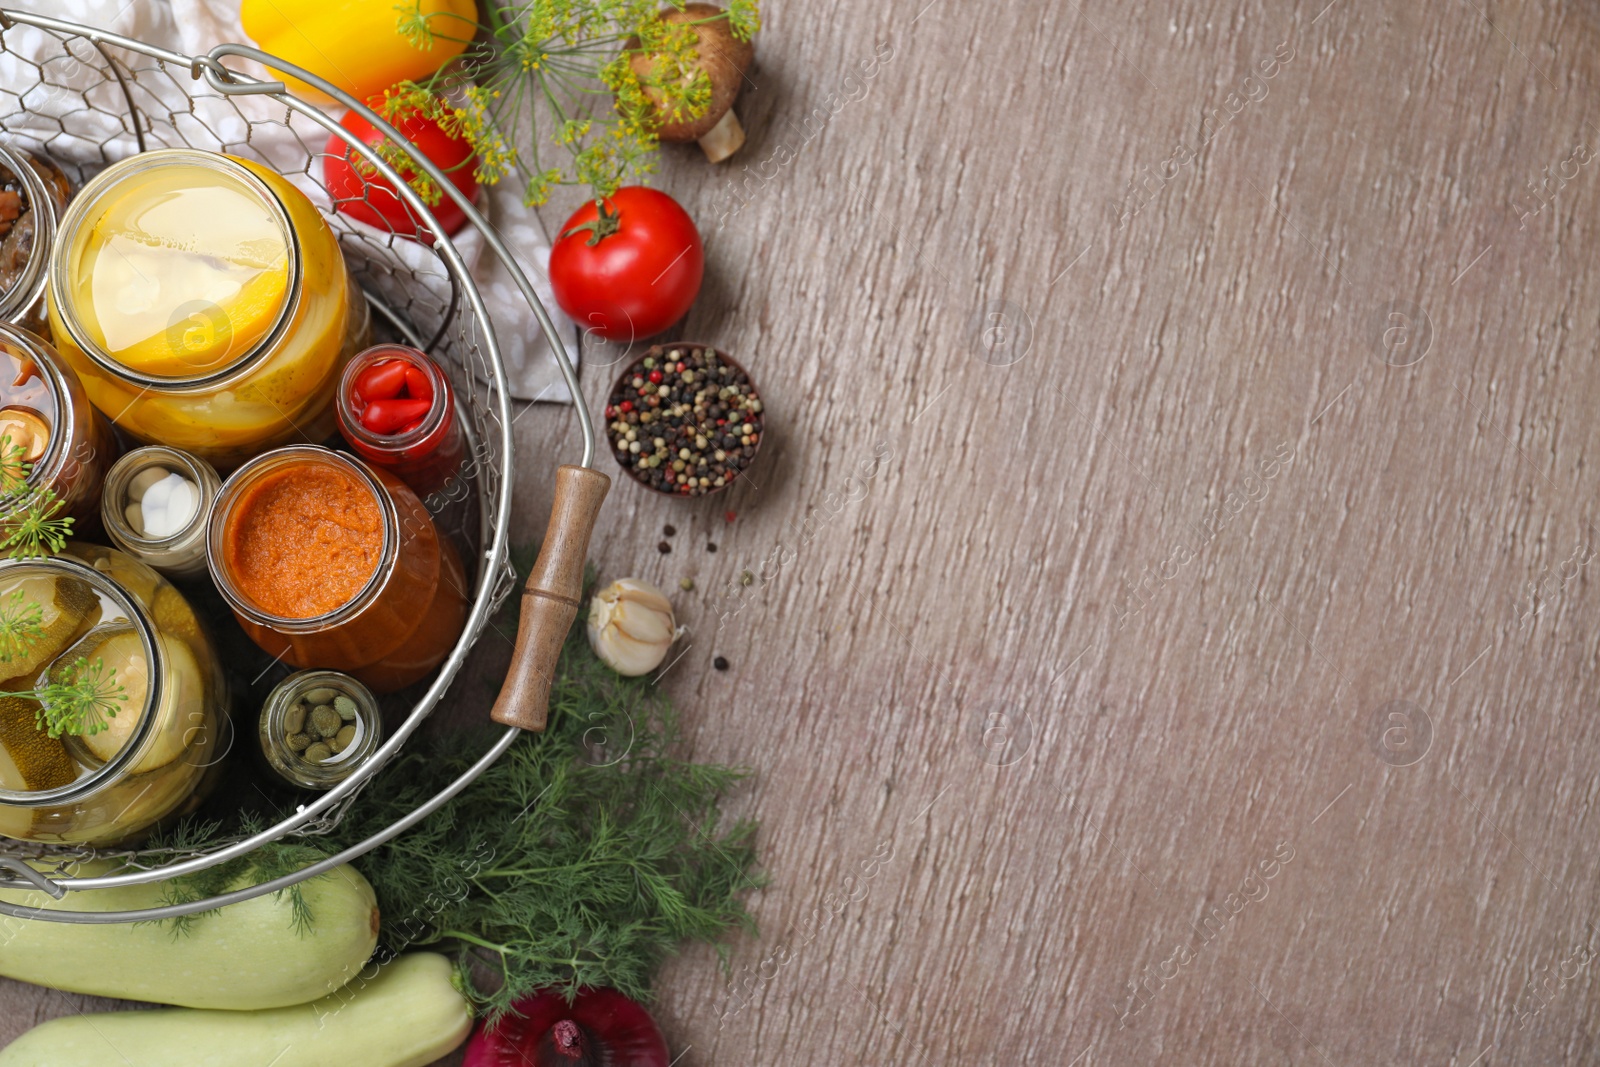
329	562
50	434
33	193
111	719
205	304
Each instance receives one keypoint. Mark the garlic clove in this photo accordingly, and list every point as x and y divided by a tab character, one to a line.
169	505
140	483
135	516
631	626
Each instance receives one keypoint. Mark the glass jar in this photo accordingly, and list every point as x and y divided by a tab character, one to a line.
175	545
328	562
157	756
290	735
205	304
427	450
33	193
45	412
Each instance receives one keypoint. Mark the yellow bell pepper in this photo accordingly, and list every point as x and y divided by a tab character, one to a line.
357	44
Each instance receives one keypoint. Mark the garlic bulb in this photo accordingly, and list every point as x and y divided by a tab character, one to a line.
631	626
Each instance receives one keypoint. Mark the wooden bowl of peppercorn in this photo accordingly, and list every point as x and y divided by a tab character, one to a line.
685	420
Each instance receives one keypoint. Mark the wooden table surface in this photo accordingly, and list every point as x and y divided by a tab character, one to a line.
1171	636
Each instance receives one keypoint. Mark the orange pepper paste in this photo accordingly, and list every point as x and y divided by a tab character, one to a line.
303	541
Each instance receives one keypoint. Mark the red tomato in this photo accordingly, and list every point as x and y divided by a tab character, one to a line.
373	200
631	270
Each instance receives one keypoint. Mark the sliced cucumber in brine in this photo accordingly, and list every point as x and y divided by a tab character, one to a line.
122	662
61	606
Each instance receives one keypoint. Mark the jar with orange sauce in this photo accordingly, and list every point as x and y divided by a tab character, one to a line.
328	562
205	304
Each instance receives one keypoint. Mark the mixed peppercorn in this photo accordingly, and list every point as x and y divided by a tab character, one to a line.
685	421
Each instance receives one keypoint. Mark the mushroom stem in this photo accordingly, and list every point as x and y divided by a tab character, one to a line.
723	139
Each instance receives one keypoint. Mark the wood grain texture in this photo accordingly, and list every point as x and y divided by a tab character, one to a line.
1035	637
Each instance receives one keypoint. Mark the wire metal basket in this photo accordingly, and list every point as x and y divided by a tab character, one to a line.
87	98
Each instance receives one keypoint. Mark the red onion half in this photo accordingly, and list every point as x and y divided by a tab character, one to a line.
602	1028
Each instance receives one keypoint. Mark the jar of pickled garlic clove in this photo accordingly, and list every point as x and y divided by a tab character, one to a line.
205	304
155	506
329	562
50	435
151	747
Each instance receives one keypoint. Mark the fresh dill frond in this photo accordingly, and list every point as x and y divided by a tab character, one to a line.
77	699
31	523
554	77
266	863
21	624
584	857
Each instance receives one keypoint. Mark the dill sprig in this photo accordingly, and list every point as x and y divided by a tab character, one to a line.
21	625
31	523
76	699
557	73
584	857
272	860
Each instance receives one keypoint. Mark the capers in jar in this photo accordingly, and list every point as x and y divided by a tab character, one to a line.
325	720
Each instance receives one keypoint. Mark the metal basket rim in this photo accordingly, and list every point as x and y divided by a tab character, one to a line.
229	82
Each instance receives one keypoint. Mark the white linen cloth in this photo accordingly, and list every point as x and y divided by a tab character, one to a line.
194	27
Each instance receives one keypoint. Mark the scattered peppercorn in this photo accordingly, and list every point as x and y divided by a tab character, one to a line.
720	664
663	548
711	546
730	515
669	529
686	584
687	427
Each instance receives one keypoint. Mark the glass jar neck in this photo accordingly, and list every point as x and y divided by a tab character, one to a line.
350	423
202	474
86	210
111	770
46	218
228	499
64	422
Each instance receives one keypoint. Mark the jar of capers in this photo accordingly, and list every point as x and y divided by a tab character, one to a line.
319	726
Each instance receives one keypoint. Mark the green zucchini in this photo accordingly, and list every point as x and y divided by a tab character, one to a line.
244	956
408	1015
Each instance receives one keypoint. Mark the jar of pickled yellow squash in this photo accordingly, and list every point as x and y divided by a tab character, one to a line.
205	304
104	653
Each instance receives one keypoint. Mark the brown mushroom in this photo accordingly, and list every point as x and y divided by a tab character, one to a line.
725	59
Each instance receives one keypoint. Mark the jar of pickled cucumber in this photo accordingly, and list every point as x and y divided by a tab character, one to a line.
104	653
205	304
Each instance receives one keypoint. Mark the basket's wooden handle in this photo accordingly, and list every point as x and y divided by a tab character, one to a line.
552	598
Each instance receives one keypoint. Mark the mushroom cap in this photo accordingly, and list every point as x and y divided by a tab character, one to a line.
723	57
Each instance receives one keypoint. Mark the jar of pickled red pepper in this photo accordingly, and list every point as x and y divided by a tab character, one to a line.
49	429
397	410
205	304
101	616
329	562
